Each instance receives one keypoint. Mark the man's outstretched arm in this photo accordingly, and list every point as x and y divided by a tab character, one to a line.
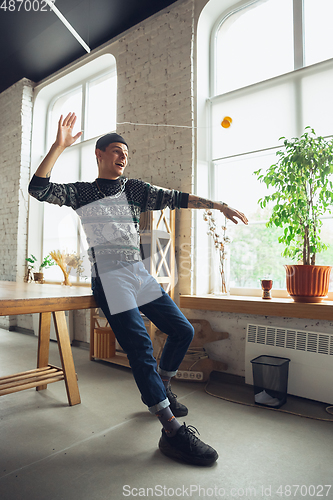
230	213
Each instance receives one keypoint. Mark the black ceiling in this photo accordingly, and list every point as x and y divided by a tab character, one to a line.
34	44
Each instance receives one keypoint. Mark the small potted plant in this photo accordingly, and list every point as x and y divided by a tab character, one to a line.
46	263
303	193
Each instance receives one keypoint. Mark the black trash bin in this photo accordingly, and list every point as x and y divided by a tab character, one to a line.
270	380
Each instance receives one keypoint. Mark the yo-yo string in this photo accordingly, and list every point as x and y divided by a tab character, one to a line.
157	125
165	125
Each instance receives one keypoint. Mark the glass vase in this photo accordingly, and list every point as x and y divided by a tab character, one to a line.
222	287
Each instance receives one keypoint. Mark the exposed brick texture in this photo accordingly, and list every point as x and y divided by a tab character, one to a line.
15	141
155	86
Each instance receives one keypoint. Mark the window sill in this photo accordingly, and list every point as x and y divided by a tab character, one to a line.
256	305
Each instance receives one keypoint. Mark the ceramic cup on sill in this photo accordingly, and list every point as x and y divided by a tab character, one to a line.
266	286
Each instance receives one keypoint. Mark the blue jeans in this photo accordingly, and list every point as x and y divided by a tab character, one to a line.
129	329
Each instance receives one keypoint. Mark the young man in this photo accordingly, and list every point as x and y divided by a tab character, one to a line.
109	209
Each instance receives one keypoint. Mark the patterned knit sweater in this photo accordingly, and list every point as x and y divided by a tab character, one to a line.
110	216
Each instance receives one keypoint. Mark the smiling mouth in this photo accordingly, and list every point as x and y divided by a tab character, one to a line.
120	165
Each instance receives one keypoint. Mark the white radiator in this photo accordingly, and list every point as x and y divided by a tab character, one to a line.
310	354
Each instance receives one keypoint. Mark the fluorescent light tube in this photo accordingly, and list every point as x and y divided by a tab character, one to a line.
68	26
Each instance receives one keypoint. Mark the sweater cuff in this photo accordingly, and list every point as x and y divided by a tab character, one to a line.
39	181
184	200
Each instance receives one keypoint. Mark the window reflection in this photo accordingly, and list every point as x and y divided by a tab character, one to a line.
318	34
254	44
94	103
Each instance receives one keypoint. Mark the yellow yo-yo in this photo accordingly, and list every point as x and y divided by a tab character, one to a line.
226	122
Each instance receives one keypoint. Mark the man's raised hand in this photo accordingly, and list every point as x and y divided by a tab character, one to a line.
65	136
64	140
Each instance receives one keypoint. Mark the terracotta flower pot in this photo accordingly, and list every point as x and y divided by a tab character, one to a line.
307	283
39	277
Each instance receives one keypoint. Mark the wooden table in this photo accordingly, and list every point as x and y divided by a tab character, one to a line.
28	298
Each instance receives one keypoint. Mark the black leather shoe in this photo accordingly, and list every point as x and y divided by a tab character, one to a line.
187	447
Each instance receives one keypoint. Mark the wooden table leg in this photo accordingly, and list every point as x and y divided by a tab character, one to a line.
92	336
43	343
66	357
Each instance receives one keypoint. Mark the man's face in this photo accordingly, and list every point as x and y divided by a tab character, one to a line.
112	162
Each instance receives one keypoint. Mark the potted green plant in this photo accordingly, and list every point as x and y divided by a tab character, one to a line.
46	263
302	194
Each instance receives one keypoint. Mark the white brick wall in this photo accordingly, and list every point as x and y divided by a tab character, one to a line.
15	140
155	86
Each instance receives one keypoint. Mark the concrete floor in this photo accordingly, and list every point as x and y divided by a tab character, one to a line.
106	447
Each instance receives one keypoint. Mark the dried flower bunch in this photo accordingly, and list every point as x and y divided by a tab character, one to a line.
67	262
220	243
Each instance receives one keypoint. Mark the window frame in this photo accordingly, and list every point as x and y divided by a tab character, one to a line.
299	66
80	75
84	84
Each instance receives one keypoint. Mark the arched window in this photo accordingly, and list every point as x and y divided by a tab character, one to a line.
90	92
253	44
272	73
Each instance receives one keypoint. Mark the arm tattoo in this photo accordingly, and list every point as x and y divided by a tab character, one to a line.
200	203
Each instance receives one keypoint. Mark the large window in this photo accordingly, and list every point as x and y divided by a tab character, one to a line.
93	99
254	44
272	73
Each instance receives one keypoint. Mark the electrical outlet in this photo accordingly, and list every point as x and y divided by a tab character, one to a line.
189	375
